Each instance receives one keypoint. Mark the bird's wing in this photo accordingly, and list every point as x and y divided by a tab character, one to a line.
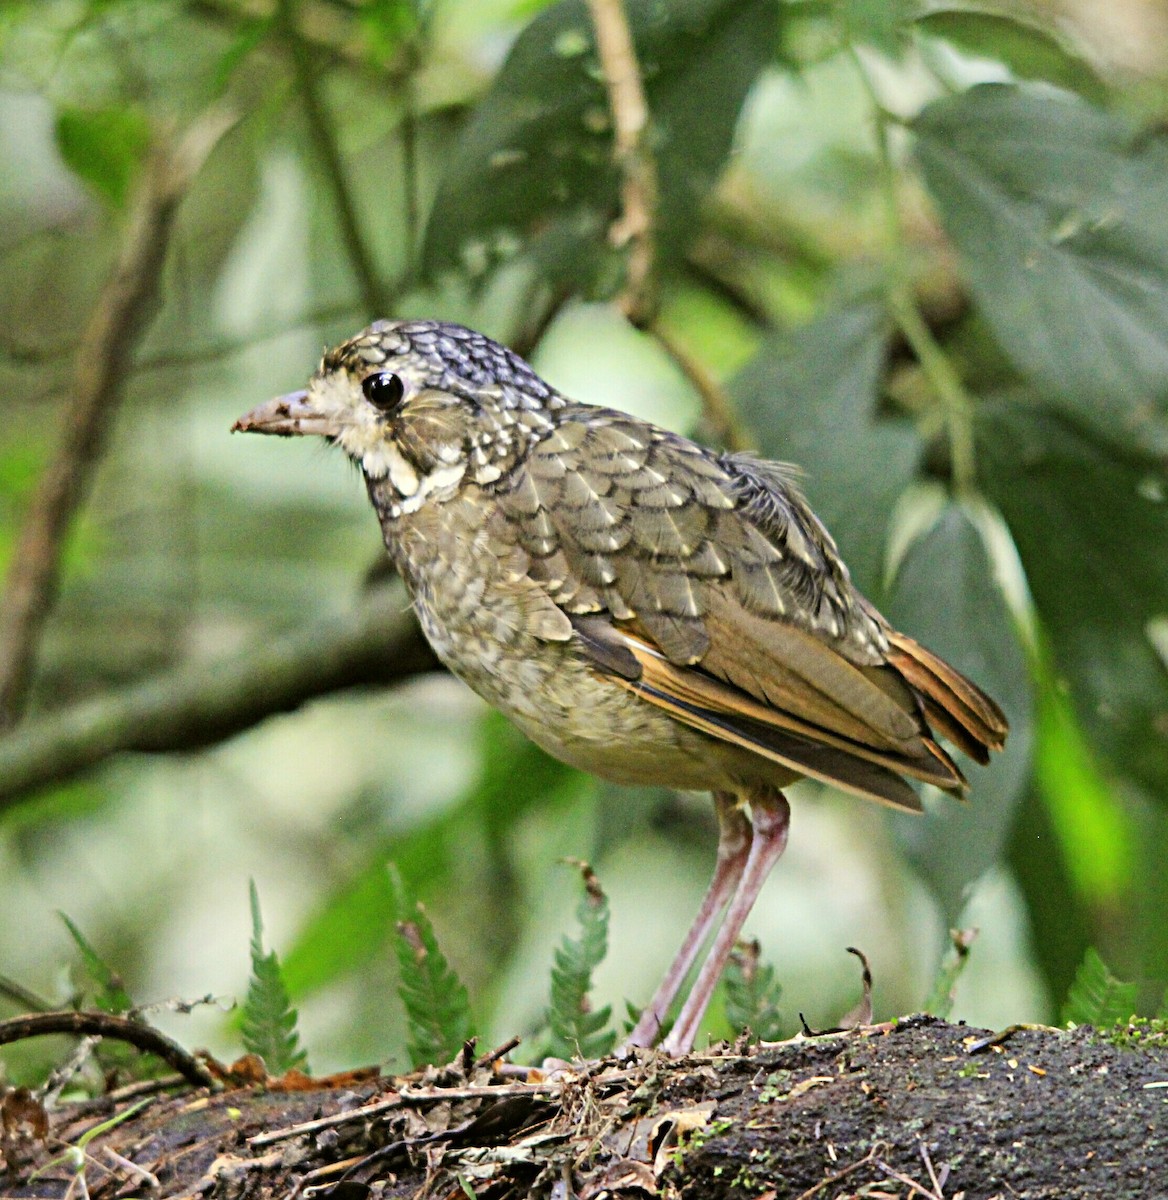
722	587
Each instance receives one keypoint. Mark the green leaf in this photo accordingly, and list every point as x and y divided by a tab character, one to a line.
1058	212
810	398
751	994
110	993
1084	811
533	169
1090	524
387	24
253	31
268	1024
435	1000
1097	997
881	24
1030	50
946	597
105	147
577	1030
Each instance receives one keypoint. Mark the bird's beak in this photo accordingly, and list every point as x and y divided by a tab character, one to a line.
287	416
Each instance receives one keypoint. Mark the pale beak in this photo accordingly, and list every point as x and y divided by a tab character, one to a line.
288	416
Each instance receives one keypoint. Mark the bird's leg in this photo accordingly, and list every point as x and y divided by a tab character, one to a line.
733	850
771	817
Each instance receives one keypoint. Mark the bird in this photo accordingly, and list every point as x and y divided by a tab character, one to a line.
642	607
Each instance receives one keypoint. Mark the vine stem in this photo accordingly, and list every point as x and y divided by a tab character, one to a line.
953	400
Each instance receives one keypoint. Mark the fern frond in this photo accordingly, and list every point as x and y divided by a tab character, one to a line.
268	1024
1097	997
576	1029
751	993
435	999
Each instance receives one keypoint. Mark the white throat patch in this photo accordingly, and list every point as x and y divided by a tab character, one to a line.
362	436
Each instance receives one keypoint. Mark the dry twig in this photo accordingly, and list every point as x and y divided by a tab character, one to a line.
717	406
630	117
106	1025
101	368
325	144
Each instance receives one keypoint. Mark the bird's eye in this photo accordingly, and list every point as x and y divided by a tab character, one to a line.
384	390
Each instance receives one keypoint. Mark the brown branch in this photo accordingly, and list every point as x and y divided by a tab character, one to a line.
200	705
325	144
101	367
106	1025
630	117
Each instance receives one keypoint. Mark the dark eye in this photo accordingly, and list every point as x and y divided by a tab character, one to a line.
384	390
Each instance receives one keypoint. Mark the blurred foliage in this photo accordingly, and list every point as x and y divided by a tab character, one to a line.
921	247
109	993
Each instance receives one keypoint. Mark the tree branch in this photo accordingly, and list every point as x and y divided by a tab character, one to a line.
325	144
716	404
630	117
108	1025
198	705
101	367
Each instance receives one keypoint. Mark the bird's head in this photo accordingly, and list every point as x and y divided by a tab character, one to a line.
418	406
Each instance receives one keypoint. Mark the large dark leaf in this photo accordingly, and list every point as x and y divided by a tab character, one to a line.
810	399
1058	211
1091	525
1030	50
946	597
533	169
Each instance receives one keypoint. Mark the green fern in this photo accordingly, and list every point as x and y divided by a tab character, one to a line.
575	1028
268	1026
751	994
109	992
435	999
1096	997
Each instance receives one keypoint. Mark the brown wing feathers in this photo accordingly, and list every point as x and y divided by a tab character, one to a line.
959	709
709	588
868	763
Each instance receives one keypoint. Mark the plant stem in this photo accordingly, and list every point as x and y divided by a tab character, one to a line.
953	400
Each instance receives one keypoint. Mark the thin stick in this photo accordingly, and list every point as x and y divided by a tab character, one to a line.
493	1056
405	1098
851	1169
908	1182
106	1025
716	404
121	315
630	117
325	144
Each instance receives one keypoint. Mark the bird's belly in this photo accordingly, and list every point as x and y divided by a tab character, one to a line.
488	622
559	699
577	715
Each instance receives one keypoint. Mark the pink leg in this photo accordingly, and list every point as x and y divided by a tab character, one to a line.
771	819
733	850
